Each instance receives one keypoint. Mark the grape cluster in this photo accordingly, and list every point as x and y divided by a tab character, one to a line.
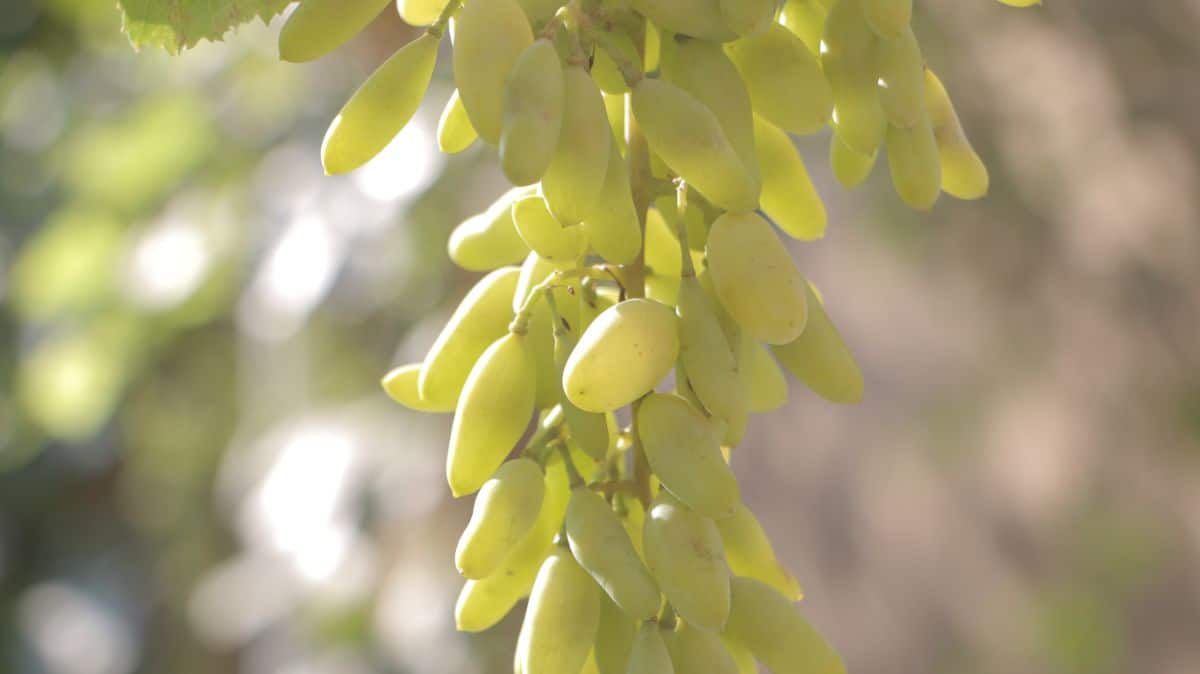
648	142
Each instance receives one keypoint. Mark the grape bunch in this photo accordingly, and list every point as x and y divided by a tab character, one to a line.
639	304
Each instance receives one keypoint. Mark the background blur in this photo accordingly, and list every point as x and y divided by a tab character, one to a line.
198	472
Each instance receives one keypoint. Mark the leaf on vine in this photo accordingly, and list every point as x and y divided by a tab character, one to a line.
176	25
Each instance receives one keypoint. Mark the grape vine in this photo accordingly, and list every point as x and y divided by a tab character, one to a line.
639	304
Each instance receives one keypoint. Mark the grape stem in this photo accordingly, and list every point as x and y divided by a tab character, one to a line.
439	27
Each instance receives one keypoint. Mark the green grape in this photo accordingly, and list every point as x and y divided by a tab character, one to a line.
753	274
489	240
561	620
612	227
317	27
695	651
702	69
820	359
805	18
749	553
532	115
614	106
648	654
555	243
784	79
685	454
401	385
639	334
589	430
744	658
683	551
540	11
888	18
493	412
706	353
688	137
652	47
480	319
420	12
454	132
849	64
592	306
850	167
769	626
602	547
915	164
505	509
483	603
605	70
764	383
663	259
747	17
633	519
694	218
573	182
534	270
541	326
489	37
1021	3
902	79
963	172
614	638
789	197
380	108
697	18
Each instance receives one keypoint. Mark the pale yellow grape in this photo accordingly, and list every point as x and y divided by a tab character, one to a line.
541	340
820	359
612	227
695	651
850	167
683	552
605	70
746	664
746	17
1022	3
539	11
789	197
480	319
561	619
753	274
614	107
698	18
532	114
706	354
964	174
401	385
489	38
689	138
902	79
614	638
592	306
633	518
554	242
493	412
573	182
648	654
765	385
849	63
685	454
806	19
639	334
454	132
420	12
888	18
534	270
784	79
769	626
749	553
703	70
505	509
380	108
483	603
915	164
489	240
695	218
589	429
317	27
652	47
663	259
602	547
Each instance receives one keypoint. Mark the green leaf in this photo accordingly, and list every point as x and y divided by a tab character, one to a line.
175	25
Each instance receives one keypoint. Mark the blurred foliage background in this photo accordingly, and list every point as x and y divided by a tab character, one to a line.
199	474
